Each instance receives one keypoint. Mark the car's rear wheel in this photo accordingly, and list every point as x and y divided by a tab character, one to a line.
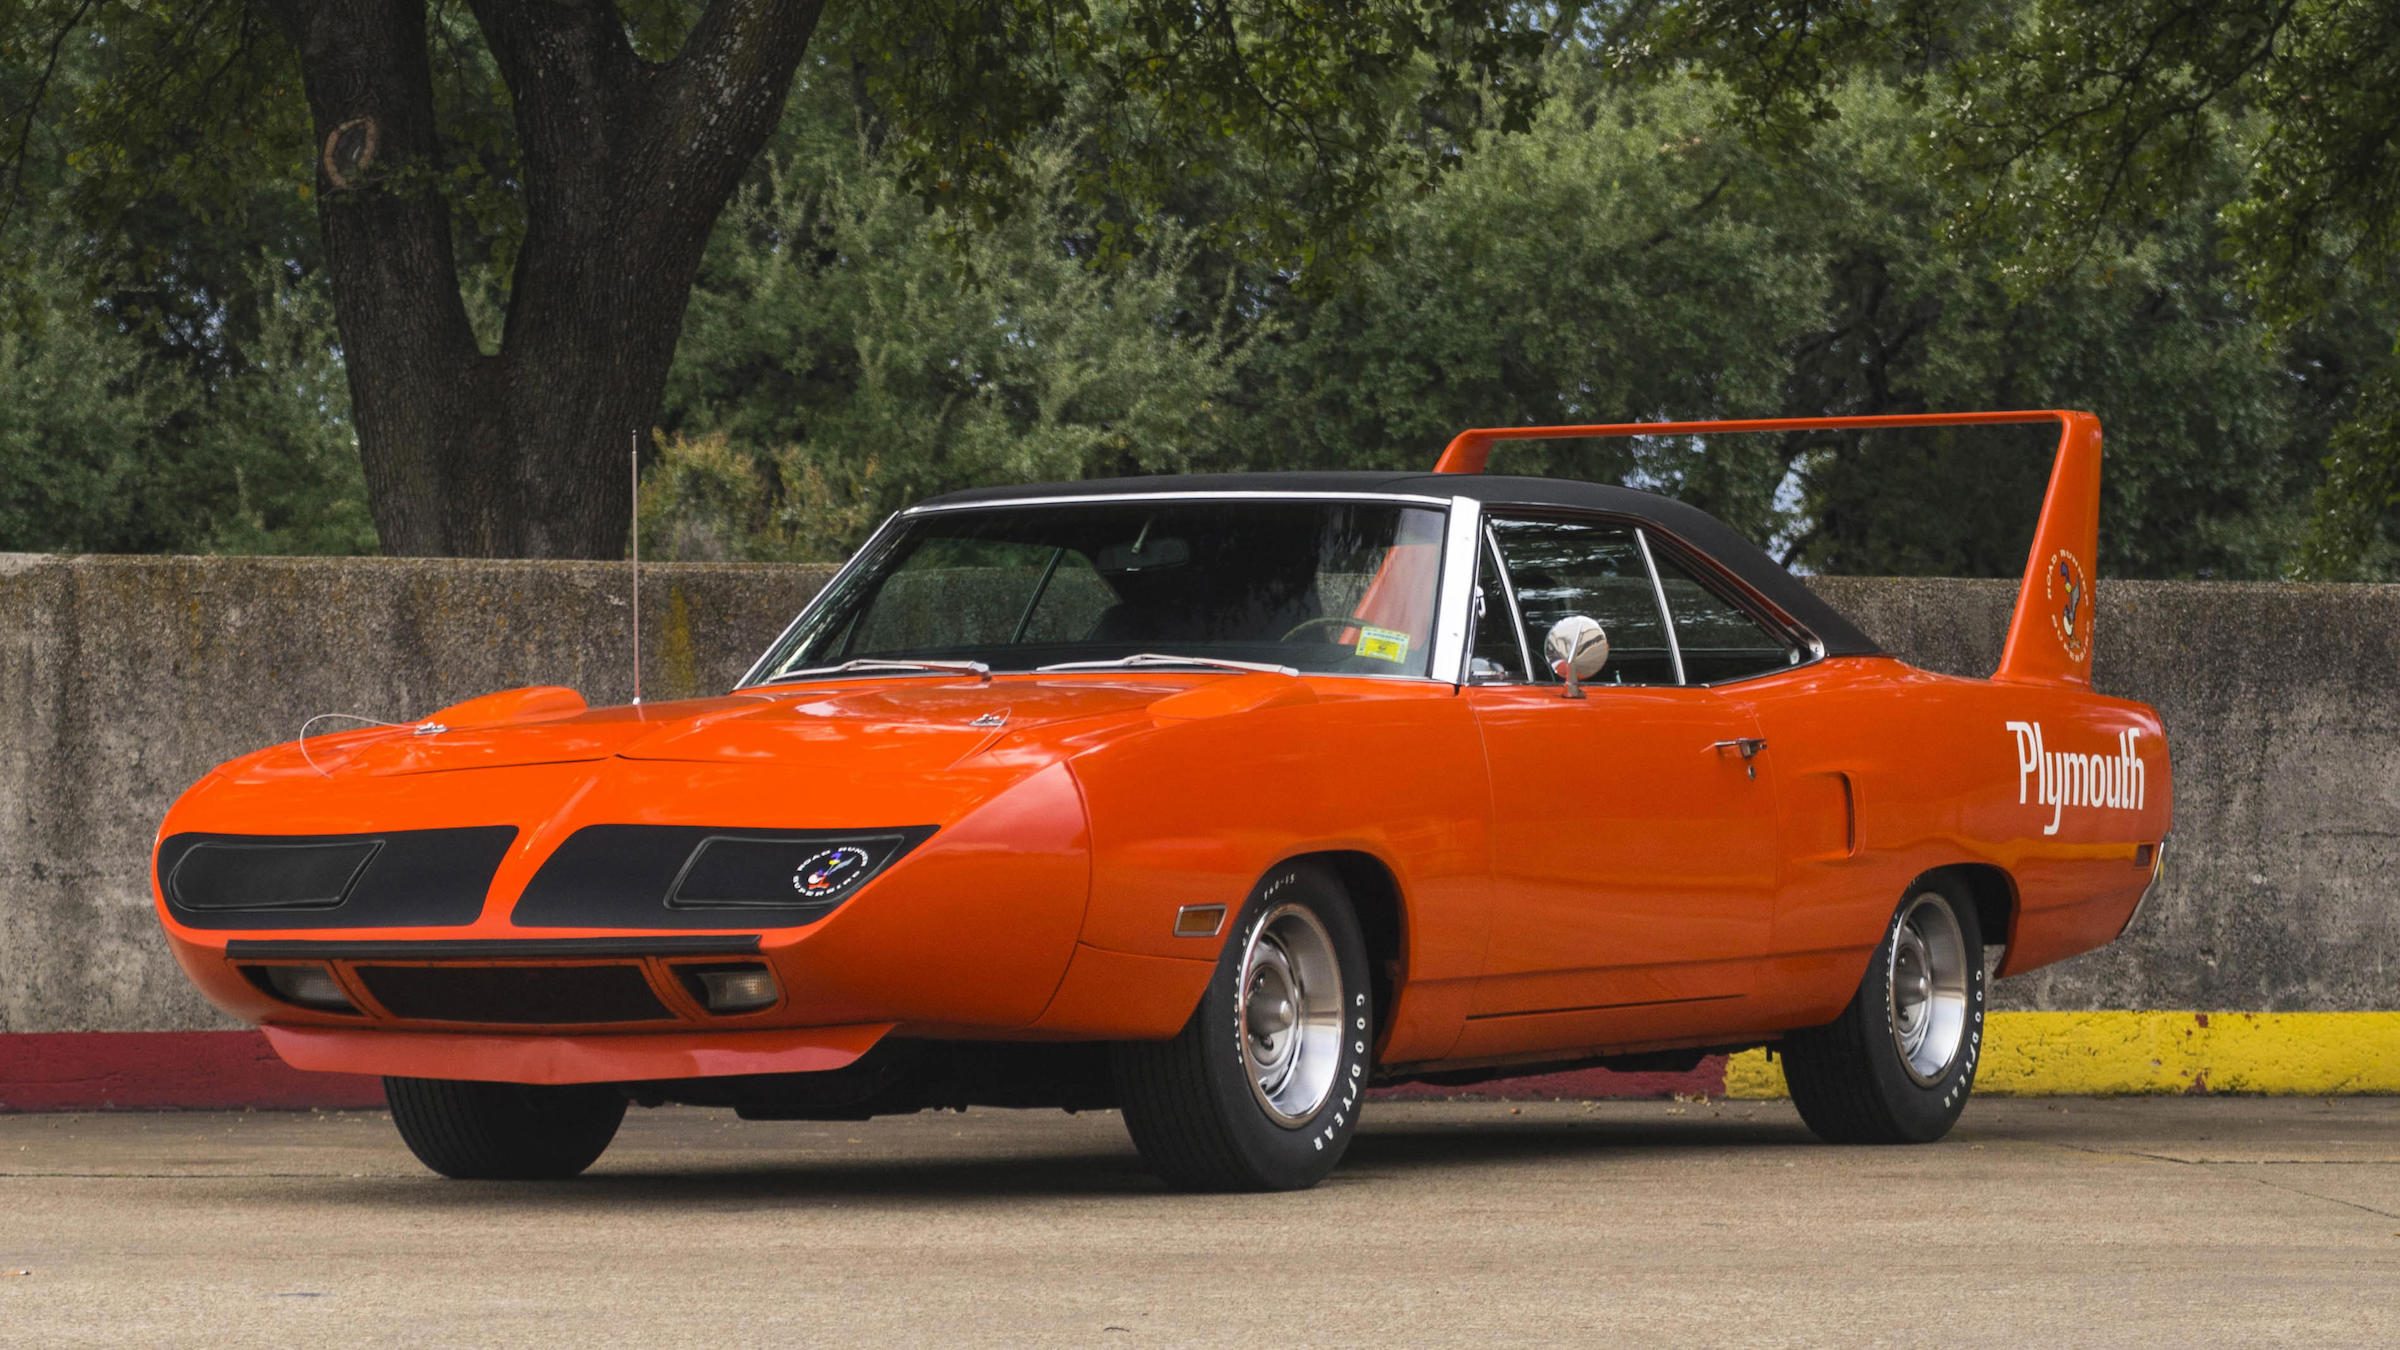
504	1131
1261	1089
1897	1066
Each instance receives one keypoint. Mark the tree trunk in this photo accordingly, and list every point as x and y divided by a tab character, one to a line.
627	165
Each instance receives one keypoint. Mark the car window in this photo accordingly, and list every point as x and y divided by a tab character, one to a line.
1495	658
1720	641
957	590
1068	605
1563	567
1332	587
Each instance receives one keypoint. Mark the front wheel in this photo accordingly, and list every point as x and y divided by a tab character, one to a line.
1260	1090
504	1131
1897	1065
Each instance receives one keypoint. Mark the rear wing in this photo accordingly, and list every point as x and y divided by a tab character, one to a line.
2050	635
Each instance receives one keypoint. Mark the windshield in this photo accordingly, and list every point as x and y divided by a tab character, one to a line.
1320	586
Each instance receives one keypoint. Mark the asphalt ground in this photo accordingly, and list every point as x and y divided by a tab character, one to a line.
2138	1221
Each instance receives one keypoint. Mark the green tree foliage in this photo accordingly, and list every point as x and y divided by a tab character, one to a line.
1585	270
844	355
110	444
580	156
880	315
1632	256
169	377
1628	255
2078	123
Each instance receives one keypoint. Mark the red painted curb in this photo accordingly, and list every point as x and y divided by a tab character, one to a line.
165	1070
237	1071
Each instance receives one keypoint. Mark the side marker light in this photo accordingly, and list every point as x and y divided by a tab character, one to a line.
1199	921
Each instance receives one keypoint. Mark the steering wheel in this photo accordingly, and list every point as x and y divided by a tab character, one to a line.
1322	621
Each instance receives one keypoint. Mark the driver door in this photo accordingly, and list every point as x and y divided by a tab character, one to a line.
1634	855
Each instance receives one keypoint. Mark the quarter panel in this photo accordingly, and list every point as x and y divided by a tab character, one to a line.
1930	768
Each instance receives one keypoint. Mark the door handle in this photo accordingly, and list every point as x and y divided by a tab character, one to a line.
1748	745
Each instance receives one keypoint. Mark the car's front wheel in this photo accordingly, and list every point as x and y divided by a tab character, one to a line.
1897	1065
1261	1089
504	1131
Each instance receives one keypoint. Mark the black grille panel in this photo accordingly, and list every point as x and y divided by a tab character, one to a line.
225	875
689	876
397	879
515	995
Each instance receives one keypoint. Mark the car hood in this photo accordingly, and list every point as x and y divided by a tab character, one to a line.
919	726
912	726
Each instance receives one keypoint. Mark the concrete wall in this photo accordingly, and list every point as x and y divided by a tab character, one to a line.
123	679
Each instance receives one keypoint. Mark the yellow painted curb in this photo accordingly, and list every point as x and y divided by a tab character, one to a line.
2106	1054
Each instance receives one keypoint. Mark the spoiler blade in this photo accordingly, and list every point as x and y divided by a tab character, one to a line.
2050	635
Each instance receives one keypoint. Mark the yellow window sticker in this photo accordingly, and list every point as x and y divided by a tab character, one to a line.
1383	644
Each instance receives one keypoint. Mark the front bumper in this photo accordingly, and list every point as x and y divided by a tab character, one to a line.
970	934
552	1057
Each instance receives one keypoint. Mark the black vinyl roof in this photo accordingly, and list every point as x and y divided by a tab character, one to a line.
1693	526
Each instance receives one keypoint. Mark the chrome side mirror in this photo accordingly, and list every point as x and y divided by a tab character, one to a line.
1577	648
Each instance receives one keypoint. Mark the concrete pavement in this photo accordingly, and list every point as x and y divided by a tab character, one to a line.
2077	1222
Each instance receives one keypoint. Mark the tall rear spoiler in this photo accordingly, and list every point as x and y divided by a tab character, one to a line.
2050	636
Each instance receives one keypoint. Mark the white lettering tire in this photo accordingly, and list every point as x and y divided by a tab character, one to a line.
1897	1066
1261	1090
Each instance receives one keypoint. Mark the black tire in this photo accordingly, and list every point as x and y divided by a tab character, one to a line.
1194	1104
1852	1079
504	1131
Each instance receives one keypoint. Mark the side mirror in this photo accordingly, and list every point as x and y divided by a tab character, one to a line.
1577	648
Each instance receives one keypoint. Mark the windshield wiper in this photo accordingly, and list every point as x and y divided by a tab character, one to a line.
975	668
1162	659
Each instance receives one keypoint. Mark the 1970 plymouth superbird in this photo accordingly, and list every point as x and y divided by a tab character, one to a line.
1213	799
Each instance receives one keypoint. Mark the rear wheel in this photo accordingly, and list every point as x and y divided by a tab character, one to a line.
504	1131
1261	1089
1897	1066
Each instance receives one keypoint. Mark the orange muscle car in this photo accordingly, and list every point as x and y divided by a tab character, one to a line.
1216	800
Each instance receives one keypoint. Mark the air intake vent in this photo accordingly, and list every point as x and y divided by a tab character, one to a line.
515	995
396	879
223	874
685	876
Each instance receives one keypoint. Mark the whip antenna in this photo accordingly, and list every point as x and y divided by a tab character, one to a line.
637	566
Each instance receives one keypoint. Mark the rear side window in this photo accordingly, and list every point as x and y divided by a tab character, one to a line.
1720	640
1563	567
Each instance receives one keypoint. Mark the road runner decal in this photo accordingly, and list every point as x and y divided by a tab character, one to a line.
2060	779
2069	591
829	872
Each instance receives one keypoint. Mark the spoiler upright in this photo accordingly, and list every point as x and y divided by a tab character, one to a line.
2050	635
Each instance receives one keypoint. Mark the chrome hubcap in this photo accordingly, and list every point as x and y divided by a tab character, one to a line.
1291	1014
1927	989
